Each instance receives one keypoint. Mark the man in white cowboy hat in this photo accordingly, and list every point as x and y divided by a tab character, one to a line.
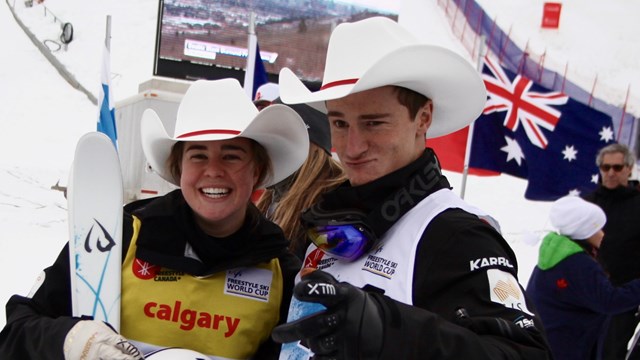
202	268
404	268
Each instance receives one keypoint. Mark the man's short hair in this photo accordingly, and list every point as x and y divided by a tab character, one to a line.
629	158
410	99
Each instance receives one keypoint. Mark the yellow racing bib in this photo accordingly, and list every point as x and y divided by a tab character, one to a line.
228	314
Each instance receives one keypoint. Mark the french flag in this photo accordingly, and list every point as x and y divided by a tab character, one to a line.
107	118
255	75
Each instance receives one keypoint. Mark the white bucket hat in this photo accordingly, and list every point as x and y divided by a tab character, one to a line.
377	52
220	110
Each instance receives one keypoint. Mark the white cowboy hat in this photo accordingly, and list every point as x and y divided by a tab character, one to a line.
220	110
377	52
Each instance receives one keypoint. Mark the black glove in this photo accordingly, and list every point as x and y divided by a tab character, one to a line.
350	328
495	326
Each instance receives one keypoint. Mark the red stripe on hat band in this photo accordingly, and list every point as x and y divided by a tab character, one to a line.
205	132
338	83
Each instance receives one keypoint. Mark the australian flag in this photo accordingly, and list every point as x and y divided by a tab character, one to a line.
537	134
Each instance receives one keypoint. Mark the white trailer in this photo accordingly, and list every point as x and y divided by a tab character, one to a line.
163	95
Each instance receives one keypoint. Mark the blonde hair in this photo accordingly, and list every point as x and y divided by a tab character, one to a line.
317	175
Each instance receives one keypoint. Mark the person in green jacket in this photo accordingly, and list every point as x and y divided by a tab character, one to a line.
571	291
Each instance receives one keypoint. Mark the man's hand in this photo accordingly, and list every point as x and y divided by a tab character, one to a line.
90	339
350	328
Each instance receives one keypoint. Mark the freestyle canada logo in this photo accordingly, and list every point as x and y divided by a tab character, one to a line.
146	271
314	257
191	318
317	260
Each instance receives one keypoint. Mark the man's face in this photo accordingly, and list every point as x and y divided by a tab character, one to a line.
611	178
373	134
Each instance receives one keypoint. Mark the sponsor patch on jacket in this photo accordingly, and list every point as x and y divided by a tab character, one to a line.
524	322
489	261
504	289
250	283
380	266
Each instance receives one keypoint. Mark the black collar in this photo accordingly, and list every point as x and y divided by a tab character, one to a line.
388	198
168	225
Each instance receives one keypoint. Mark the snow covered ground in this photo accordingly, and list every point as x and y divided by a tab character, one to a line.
42	117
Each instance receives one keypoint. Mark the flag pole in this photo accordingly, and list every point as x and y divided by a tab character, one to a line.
107	39
106	113
251	57
467	150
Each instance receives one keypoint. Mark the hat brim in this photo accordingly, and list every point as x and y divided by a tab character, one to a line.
284	135
262	102
279	129
156	144
456	88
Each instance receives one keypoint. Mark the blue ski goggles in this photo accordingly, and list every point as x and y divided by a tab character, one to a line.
343	234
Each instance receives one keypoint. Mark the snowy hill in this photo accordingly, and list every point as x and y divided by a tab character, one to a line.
42	117
596	43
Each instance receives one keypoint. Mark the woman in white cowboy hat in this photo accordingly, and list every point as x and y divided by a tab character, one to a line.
202	268
404	267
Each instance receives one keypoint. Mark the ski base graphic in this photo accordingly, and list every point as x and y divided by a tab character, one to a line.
95	199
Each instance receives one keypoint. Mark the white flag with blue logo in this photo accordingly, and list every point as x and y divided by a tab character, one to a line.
107	119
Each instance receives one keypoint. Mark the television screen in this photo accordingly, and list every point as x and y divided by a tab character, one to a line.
207	39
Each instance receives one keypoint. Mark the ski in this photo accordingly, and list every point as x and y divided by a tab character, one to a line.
95	200
633	352
298	310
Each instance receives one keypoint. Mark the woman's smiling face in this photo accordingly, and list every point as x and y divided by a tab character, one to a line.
217	180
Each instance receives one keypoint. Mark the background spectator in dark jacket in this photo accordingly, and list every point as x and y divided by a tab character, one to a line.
573	294
621	245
